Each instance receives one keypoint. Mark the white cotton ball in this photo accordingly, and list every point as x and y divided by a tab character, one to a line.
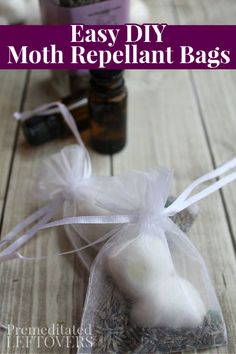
139	12
139	263
173	303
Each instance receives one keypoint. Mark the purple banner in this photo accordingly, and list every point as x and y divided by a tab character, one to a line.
150	46
115	12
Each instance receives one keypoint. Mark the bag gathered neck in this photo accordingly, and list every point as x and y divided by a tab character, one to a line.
42	218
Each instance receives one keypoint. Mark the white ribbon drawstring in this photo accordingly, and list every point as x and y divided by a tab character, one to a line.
10	253
94	243
28	221
182	202
44	215
57	107
45	110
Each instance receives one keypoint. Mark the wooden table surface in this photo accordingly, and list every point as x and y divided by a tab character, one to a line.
185	120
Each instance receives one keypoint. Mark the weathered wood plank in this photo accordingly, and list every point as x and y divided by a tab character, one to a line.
161	11
11	81
168	131
206	11
165	128
214	92
40	293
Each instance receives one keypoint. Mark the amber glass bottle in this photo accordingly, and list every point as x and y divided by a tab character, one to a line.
108	111
40	129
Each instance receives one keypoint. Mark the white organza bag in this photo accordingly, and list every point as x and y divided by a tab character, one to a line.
149	289
67	176
66	183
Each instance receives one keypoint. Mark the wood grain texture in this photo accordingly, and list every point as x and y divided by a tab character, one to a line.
176	119
206	11
46	292
216	106
166	127
215	96
11	81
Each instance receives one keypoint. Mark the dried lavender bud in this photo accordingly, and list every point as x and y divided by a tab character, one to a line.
185	218
113	332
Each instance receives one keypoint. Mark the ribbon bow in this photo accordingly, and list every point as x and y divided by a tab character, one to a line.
182	202
42	218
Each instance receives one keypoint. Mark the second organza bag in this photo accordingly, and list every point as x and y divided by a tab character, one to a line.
67	176
149	289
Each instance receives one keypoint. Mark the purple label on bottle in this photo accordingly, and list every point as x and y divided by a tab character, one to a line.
108	12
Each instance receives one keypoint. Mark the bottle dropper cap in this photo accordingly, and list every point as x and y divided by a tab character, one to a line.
41	129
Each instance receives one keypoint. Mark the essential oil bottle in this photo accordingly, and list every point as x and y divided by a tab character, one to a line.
40	129
108	110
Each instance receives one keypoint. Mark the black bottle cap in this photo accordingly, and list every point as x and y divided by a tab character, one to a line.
41	129
107	83
106	74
